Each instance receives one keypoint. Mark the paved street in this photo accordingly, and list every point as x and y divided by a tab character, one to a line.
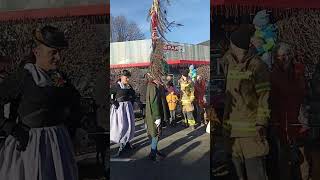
89	170
187	155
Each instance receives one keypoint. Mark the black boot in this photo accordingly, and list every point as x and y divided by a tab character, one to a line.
161	155
172	124
119	153
185	124
153	155
164	124
128	146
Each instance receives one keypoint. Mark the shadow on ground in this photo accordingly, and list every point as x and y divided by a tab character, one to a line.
188	154
90	170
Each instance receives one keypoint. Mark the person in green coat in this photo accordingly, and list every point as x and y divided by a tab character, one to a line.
155	99
154	114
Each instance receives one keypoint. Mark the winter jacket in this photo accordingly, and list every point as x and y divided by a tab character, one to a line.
155	107
172	100
199	92
38	106
287	95
247	94
187	98
121	95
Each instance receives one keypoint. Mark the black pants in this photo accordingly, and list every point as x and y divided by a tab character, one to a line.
199	113
280	156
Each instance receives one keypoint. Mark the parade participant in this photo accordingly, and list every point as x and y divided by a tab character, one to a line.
122	121
287	96
187	89
38	145
170	85
4	65
156	99
172	100
267	33
169	80
314	121
192	73
246	106
154	114
199	92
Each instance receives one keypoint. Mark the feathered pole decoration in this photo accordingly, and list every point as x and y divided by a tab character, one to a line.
159	24
159	27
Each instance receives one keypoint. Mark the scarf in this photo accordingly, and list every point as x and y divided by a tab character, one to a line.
42	78
123	86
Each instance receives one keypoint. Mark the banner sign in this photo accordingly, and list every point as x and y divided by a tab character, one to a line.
172	47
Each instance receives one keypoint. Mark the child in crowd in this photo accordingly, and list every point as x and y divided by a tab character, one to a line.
172	100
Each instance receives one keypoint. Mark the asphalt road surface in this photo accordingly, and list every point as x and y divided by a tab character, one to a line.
188	156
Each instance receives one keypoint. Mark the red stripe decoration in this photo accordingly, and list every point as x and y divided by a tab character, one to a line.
195	62
82	10
170	62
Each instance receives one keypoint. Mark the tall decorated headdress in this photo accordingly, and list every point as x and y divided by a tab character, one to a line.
159	27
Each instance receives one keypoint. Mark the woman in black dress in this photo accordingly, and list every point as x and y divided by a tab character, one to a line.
38	145
122	122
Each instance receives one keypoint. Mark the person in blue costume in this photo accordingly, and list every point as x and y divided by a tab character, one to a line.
192	73
266	32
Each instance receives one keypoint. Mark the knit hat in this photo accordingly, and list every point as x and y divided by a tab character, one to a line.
261	19
242	37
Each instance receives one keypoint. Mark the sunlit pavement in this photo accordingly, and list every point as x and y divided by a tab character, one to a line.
187	156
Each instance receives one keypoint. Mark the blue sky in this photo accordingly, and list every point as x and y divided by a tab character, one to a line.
193	14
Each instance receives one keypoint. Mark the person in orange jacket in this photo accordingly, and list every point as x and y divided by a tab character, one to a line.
172	100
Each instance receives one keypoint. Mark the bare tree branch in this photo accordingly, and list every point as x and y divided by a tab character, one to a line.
123	30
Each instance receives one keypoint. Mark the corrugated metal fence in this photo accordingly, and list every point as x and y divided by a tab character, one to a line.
138	52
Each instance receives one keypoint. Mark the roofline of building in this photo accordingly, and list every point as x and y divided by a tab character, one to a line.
173	42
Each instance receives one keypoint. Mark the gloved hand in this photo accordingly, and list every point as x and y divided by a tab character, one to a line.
158	122
159	128
21	133
261	132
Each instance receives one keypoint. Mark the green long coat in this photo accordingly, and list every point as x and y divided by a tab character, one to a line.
155	100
